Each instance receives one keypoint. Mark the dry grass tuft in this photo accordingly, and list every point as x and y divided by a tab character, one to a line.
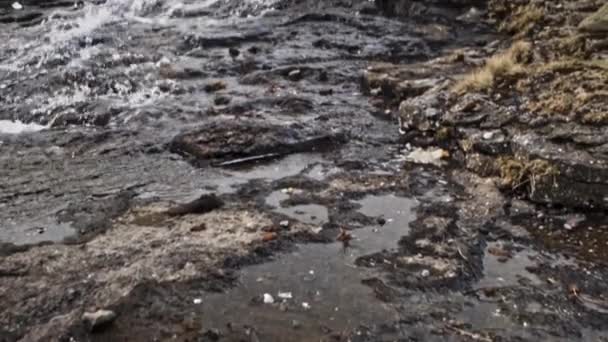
515	173
524	19
600	118
505	63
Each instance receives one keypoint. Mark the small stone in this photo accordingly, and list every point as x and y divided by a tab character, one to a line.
268	299
488	135
285	295
197	301
17	6
306	306
221	100
381	221
234	52
215	86
425	273
99	319
284	224
202	205
294	75
198	228
212	334
269	236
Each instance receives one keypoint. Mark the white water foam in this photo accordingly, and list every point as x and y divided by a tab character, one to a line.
16	127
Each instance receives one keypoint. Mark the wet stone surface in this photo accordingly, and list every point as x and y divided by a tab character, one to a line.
331	228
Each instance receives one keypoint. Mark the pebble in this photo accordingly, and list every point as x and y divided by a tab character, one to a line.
197	301
425	273
215	86
98	319
285	295
268	299
221	100
306	306
234	52
284	224
17	6
488	135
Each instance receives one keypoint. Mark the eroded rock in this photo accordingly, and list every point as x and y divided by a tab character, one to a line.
224	140
99	319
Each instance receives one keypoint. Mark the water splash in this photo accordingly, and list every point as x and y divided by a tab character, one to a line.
62	34
16	127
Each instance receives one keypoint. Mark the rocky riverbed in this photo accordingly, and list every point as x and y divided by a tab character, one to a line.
258	170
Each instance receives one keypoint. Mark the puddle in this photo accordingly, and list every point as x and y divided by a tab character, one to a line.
321	171
398	213
485	315
225	181
35	231
307	213
508	272
323	276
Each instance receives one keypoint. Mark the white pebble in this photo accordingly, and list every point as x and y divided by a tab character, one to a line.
268	298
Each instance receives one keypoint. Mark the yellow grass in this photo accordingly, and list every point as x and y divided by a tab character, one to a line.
523	19
502	64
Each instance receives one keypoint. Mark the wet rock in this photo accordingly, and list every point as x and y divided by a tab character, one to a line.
326	92
99	319
202	205
94	216
423	112
572	176
224	140
175	72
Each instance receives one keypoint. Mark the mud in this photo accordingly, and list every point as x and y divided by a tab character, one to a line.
115	117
